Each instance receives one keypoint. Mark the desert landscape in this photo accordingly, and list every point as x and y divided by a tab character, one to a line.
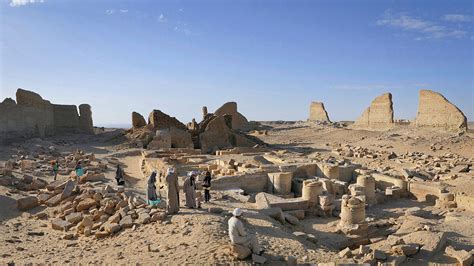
375	191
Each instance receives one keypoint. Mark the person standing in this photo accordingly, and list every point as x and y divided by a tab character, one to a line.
119	176
172	204
206	184
79	170
55	169
239	236
189	189
151	188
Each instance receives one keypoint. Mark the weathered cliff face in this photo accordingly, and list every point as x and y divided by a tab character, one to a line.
435	111
317	112
32	116
378	116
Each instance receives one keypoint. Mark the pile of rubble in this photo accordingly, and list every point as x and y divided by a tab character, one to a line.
34	166
88	210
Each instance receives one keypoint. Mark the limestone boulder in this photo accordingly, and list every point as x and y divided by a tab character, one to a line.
435	111
27	203
378	116
138	120
317	112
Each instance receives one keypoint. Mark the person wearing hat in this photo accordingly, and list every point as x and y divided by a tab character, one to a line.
189	189
172	203
239	236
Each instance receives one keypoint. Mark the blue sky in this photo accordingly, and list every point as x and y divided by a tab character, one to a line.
272	57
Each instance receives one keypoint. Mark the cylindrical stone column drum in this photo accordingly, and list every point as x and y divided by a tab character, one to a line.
368	182
281	182
352	210
311	191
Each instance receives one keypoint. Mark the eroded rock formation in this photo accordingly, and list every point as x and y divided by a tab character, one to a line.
378	116
239	122
317	112
434	110
32	116
138	120
159	120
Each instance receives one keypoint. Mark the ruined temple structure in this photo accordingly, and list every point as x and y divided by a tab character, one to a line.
32	116
239	122
317	112
378	116
435	111
220	130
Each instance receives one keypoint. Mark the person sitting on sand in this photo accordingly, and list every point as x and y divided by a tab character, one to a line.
239	236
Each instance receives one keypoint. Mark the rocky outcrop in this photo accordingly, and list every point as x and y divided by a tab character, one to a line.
32	116
317	112
138	120
159	120
239	122
435	111
378	116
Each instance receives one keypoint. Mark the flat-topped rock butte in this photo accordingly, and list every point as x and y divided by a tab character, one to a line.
375	192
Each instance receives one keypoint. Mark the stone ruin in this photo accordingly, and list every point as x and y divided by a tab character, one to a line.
220	130
434	110
32	116
239	122
317	112
378	116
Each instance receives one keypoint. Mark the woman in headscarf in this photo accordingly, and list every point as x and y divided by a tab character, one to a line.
189	188
119	176
172	204
151	188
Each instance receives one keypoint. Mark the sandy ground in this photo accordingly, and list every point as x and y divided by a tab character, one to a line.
197	236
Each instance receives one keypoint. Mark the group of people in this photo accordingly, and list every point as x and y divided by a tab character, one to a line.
192	197
237	233
78	169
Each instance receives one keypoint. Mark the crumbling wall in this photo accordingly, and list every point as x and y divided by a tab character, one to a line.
434	110
66	118
32	116
159	120
378	116
317	112
239	122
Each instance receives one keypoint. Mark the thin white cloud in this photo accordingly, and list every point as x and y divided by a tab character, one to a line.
109	11
162	19
123	10
423	28
15	3
457	18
